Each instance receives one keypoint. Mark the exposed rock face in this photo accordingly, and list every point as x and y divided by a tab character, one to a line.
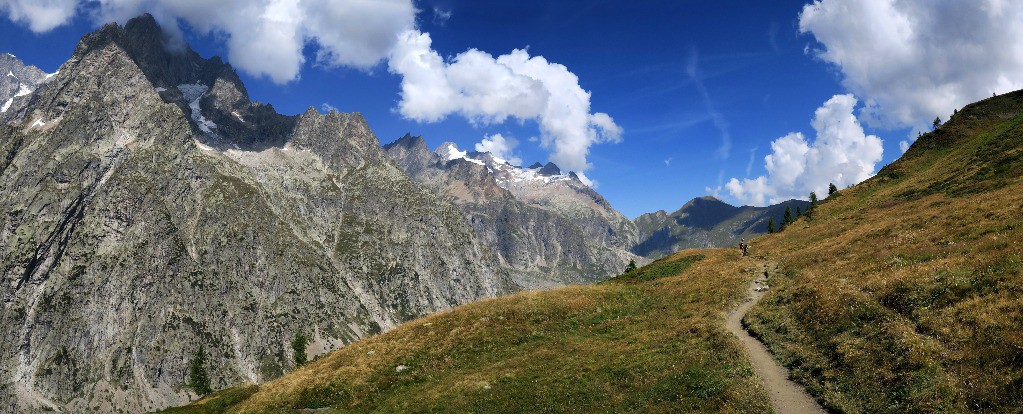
545	227
147	208
17	80
705	222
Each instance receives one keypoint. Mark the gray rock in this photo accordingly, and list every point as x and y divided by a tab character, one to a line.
544	227
17	80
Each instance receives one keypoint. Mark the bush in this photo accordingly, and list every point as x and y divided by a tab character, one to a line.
298	345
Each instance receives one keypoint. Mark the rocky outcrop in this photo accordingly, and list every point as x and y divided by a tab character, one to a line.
17	79
148	208
705	222
544	227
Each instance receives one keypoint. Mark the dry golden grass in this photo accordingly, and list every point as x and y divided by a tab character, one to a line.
903	294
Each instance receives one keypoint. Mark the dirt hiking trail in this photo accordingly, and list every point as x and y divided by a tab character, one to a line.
787	397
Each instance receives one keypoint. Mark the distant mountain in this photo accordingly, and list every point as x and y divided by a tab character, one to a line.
17	79
705	222
148	207
545	226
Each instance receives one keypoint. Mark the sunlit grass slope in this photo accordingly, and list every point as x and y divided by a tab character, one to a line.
905	293
652	342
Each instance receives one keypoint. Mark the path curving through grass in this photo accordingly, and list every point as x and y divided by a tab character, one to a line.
786	396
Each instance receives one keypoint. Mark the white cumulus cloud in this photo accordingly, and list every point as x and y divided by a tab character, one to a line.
501	147
489	90
264	37
40	15
912	60
841	154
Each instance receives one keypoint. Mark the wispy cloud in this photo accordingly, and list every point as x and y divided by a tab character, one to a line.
441	16
667	162
772	37
752	157
693	70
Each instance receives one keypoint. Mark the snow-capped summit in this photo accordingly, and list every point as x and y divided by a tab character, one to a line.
549	227
506	174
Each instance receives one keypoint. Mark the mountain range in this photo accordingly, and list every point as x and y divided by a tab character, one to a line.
706	222
150	208
545	227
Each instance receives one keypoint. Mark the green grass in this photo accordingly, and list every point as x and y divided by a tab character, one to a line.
217	402
653	344
658	269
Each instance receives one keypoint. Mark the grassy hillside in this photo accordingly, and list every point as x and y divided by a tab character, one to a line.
903	294
650	342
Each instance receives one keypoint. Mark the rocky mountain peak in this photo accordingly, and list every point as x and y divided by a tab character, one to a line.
549	170
410	142
17	79
449	150
411	153
165	60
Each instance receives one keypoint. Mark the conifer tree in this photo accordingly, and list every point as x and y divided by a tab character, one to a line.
832	189
799	212
771	228
198	377
813	205
937	122
788	216
631	267
298	345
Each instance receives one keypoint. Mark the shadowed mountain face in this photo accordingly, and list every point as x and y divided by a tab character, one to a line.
149	208
706	222
545	227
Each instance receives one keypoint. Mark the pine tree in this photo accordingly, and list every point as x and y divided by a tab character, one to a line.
937	122
788	216
832	189
631	267
198	377
298	345
770	225
813	205
799	212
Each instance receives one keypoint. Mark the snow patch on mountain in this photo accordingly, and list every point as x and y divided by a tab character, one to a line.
193	94
507	174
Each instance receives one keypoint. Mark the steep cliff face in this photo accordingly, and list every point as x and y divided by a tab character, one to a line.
705	222
149	208
545	227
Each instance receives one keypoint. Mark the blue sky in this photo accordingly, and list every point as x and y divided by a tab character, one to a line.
700	89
